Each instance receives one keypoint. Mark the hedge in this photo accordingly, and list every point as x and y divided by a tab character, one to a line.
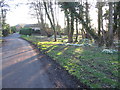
26	31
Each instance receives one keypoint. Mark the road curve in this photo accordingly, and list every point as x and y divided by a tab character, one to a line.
23	67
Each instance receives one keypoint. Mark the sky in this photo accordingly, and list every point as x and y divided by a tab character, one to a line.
21	14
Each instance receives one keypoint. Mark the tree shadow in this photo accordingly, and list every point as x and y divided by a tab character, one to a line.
18	54
83	64
28	73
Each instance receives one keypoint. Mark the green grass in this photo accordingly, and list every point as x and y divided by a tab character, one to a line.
88	64
1	40
0	33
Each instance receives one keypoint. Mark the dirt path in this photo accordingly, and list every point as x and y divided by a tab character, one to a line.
23	67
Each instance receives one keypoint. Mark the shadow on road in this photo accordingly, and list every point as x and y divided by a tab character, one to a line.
18	53
32	72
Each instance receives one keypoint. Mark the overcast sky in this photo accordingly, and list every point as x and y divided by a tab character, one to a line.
21	14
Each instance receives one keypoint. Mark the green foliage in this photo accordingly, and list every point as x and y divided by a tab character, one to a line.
13	29
73	7
26	31
6	30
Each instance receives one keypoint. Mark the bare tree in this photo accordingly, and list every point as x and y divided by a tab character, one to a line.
37	5
52	22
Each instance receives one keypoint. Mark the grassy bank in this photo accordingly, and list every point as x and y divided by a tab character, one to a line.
88	64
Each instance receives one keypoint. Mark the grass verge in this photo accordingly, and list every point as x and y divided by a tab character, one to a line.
88	64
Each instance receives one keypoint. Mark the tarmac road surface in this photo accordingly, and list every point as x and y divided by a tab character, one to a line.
23	67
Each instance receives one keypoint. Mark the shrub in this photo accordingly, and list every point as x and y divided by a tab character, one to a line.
6	29
5	32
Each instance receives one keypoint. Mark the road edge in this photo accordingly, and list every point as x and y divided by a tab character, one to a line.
38	50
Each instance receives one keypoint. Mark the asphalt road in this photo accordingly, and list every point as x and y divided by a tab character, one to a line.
23	67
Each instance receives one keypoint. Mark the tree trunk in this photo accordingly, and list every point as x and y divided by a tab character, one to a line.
103	34
99	21
118	9
52	14
81	13
68	24
100	25
115	18
76	38
43	27
70	38
110	43
86	13
88	29
83	33
52	25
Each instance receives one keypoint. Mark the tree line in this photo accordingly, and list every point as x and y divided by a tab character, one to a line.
77	13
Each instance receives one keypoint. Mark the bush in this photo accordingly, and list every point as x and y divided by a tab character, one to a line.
26	31
13	29
5	32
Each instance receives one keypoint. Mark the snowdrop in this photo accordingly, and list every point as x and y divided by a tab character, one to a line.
109	51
